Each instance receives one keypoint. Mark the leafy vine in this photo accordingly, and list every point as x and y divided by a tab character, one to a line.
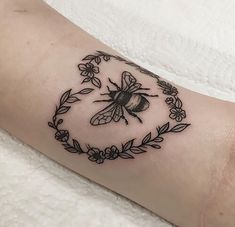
126	151
62	135
90	70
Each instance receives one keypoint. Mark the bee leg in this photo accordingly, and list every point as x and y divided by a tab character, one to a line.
108	89
104	100
141	88
118	88
134	115
145	94
126	121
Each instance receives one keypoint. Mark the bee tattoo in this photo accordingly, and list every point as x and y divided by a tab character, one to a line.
126	98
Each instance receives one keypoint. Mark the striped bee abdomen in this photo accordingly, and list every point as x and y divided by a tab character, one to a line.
137	103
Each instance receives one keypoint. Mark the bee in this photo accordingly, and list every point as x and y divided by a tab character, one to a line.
126	98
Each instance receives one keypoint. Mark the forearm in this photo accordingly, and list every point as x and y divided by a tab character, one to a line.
40	51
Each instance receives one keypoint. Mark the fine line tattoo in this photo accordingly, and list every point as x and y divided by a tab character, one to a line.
90	70
127	98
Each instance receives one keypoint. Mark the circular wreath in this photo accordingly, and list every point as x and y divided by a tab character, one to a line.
89	69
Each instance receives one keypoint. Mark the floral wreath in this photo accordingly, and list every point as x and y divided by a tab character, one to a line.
89	69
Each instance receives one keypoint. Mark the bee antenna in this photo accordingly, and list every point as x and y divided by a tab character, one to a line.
108	88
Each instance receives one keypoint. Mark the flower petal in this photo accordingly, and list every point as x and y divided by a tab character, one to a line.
113	148
91	152
89	65
178	118
183	114
100	160
82	67
96	69
172	116
173	110
92	158
90	74
84	73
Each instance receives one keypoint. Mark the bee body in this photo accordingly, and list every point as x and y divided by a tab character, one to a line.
131	101
128	96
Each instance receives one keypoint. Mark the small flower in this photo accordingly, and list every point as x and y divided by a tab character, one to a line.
169	100
96	155
170	91
111	152
177	114
88	69
62	135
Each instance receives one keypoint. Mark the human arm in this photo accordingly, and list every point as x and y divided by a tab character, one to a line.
41	64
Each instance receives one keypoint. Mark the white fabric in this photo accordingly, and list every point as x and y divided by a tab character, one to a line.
189	42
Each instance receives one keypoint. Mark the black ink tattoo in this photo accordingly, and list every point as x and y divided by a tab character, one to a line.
122	99
128	97
90	68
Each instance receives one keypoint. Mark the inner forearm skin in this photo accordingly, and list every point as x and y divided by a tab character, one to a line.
163	146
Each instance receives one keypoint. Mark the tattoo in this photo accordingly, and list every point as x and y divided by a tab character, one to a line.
90	70
127	98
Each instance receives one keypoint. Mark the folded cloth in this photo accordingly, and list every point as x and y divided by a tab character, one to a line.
189	42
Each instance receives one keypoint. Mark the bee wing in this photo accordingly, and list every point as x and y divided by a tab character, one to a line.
127	80
107	115
118	113
134	87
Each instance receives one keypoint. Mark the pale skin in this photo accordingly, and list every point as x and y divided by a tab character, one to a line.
190	181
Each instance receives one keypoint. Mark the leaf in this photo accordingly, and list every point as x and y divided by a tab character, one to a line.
65	96
137	150
60	121
63	109
101	52
86	80
73	99
97	60
158	139
156	146
119	58
71	149
125	155
96	82
50	124
146	138
66	145
179	128
163	129
106	57
128	145
77	146
178	103
88	57
85	91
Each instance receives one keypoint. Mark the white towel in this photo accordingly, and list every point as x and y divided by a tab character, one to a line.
189	42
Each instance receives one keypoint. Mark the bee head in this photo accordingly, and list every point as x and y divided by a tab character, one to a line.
112	94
